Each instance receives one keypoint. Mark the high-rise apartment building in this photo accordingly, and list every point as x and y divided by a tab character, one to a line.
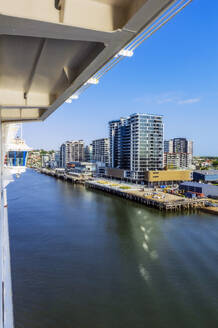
77	151
182	145
124	144
179	145
57	158
100	150
177	160
190	147
88	153
178	153
62	155
168	146
113	143
119	143
146	152
136	144
65	153
71	151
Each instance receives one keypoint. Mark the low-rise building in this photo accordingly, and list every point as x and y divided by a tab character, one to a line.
81	168
34	159
115	173
165	177
100	168
205	175
200	188
153	178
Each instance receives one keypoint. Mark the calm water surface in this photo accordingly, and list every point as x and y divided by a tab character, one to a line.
85	259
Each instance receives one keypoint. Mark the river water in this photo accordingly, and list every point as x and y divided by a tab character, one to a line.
85	259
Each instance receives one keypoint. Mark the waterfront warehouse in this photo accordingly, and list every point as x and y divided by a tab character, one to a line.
205	175
201	188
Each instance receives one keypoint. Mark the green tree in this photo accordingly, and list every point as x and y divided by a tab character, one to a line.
215	163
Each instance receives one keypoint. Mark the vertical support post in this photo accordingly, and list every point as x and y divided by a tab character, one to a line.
6	305
1	231
8	302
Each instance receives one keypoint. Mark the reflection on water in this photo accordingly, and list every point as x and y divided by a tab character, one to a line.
82	259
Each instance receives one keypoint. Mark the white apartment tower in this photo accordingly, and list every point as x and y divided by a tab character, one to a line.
71	151
100	150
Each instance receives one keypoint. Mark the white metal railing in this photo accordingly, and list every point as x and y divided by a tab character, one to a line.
6	306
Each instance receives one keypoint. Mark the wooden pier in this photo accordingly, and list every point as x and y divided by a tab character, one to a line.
132	194
62	175
177	205
210	210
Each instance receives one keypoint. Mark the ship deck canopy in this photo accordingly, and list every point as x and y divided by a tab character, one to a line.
50	48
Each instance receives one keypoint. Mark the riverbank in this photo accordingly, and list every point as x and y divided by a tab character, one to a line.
147	196
210	210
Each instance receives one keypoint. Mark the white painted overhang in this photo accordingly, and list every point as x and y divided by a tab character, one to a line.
50	48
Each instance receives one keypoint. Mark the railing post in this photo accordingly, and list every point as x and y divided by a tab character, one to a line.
1	230
6	305
8	302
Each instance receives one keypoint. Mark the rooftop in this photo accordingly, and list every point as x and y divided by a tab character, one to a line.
198	184
207	172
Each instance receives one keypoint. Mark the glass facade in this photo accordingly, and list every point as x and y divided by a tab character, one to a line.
16	158
146	144
136	144
113	143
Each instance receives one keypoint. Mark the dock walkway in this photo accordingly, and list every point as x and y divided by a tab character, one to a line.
134	193
63	176
210	210
139	196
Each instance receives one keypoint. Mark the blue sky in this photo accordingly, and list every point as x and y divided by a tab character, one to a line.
174	73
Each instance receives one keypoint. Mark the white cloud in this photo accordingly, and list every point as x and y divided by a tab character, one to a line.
164	98
163	101
189	101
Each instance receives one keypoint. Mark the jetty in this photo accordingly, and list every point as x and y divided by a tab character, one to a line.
140	194
159	200
210	210
63	175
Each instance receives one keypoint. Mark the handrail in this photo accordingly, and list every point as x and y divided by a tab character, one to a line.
6	311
